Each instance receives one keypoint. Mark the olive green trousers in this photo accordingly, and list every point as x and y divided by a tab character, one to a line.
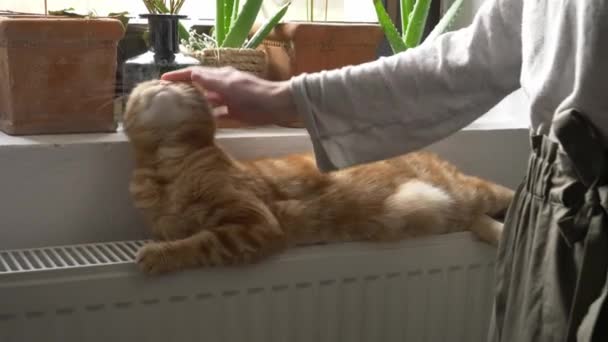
553	257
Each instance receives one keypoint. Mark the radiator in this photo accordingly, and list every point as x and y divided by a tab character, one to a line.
429	289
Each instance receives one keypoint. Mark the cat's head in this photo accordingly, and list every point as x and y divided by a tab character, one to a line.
162	111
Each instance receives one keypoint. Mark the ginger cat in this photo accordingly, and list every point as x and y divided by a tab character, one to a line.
206	209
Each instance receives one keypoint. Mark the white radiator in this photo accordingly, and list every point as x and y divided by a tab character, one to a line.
430	289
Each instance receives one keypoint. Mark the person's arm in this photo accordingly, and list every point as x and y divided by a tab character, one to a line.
404	102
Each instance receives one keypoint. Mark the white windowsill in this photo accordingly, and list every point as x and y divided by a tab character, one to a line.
223	134
509	114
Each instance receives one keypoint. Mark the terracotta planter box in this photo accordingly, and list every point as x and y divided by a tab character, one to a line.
294	48
57	75
298	47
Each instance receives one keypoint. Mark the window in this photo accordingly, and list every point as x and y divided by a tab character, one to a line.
337	10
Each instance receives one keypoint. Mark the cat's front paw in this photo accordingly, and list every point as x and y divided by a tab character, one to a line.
153	259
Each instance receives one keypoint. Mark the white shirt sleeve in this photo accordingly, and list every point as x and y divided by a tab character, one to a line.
397	104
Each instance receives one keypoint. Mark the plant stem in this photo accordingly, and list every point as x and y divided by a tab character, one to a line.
312	10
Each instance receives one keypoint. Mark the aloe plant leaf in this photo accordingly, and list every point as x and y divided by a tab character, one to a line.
242	25
228	8
446	21
406	10
235	12
265	29
415	27
390	31
220	28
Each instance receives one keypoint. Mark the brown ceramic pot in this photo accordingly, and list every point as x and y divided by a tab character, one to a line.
298	47
294	48
57	75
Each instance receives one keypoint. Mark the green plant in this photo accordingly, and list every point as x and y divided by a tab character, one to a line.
413	21
233	25
161	7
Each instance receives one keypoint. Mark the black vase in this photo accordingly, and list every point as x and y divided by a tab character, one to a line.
163	55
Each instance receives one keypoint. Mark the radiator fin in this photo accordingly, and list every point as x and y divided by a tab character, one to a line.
63	257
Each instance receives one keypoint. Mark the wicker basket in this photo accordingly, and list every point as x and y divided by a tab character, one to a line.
249	60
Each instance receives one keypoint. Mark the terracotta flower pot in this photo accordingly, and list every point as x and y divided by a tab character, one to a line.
294	48
57	75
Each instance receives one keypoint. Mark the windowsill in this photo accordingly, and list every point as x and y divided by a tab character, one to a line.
120	137
223	134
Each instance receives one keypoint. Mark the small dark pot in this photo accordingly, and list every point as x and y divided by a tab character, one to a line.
163	55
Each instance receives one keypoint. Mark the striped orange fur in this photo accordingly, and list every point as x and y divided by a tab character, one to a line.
207	209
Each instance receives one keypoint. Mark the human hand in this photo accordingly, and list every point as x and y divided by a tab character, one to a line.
249	99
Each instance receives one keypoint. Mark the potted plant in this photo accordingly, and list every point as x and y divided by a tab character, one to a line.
230	44
57	73
413	22
164	34
131	45
304	47
313	45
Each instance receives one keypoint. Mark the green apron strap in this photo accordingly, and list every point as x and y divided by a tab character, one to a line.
583	147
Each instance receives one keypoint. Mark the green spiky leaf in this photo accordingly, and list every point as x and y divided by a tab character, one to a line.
265	29
235	11
228	8
417	21
242	25
390	31
446	21
406	10
220	27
